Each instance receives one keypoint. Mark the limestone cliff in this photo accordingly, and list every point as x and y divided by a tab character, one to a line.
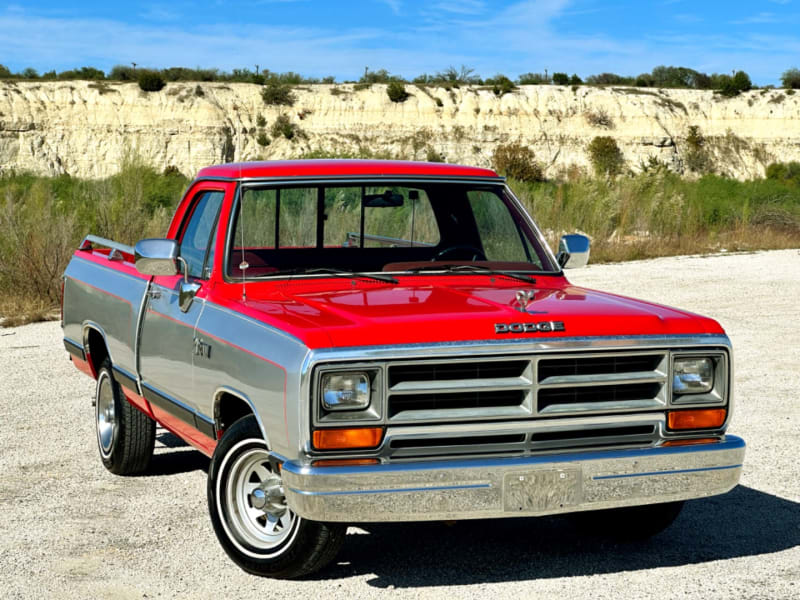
86	129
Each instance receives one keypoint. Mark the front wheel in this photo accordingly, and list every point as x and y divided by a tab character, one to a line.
249	512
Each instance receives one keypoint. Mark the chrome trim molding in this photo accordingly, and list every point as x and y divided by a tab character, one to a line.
489	488
87	242
74	348
179	410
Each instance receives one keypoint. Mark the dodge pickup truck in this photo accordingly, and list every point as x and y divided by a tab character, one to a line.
367	341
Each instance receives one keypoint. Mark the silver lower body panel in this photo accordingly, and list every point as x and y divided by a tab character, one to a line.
509	487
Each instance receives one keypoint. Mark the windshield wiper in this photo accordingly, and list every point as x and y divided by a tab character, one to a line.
472	269
337	273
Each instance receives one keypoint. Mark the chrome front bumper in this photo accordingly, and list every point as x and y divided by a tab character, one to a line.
507	487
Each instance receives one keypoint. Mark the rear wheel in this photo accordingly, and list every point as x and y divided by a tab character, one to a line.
125	435
250	516
633	523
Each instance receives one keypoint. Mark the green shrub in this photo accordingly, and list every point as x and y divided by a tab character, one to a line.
786	172
439	102
532	79
501	85
199	91
263	140
560	79
599	118
518	162
396	91
575	80
283	126
432	155
276	93
791	79
697	158
605	156
261	121
150	81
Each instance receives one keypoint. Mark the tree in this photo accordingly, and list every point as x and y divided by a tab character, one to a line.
605	155
741	81
575	80
560	79
791	79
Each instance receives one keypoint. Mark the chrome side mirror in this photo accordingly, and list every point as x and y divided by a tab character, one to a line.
157	256
573	251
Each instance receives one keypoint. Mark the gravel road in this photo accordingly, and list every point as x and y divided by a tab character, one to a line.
69	529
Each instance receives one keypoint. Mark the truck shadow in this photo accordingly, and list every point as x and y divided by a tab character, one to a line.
744	522
173	456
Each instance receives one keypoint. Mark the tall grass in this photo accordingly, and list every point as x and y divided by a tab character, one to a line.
658	214
42	219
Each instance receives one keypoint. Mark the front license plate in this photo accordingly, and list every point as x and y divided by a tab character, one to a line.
541	490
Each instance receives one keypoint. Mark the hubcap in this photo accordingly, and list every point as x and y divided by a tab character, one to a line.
105	415
257	503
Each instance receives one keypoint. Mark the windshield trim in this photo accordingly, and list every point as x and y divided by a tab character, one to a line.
499	182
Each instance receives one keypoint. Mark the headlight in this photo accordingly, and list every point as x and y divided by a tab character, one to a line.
345	391
693	375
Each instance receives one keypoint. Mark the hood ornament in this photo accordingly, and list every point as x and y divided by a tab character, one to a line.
524	298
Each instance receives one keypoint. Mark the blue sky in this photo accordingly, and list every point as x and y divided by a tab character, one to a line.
407	37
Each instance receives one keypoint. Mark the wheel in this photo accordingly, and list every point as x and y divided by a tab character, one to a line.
248	510
472	251
125	435
634	523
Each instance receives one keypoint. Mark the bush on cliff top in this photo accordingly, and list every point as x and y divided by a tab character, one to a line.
150	81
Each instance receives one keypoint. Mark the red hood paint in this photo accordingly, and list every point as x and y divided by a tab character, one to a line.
421	309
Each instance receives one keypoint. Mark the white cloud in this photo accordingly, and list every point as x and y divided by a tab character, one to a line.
395	5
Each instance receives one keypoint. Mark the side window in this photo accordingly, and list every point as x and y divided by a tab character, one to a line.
500	236
196	243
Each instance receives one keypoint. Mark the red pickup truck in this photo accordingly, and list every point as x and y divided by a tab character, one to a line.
356	341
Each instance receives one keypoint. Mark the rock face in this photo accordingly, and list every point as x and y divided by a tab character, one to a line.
88	129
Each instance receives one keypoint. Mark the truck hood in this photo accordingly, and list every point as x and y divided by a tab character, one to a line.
340	313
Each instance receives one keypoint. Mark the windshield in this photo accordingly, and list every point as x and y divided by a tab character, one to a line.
380	226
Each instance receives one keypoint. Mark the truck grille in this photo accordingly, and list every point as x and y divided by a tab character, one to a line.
524	387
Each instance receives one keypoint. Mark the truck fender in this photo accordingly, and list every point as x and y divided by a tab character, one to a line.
88	327
219	394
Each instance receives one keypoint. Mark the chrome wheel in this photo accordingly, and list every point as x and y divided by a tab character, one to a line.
255	502
105	415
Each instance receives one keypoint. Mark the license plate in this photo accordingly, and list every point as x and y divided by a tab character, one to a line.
541	490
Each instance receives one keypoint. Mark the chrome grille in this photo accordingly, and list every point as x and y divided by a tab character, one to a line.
522	387
522	437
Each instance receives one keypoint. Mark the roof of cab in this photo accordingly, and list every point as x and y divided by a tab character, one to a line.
339	168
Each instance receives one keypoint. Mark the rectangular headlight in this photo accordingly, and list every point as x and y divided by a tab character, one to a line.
693	375
345	391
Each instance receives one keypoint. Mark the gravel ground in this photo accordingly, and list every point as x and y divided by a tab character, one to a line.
69	529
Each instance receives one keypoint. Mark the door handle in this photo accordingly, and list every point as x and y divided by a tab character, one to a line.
154	294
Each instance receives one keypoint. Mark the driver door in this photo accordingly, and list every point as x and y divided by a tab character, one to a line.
168	330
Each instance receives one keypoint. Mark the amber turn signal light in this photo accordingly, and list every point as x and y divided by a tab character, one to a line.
691	442
708	418
347	439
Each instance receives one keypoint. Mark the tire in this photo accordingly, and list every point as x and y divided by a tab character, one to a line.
249	513
630	524
125	435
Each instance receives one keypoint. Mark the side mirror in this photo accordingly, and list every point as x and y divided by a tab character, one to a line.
573	251
157	257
